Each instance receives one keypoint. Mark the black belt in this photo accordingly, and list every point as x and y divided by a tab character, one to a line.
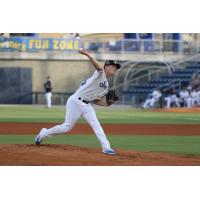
84	101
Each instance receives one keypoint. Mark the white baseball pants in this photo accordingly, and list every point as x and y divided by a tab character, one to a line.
149	103
194	101
172	99
76	109
48	99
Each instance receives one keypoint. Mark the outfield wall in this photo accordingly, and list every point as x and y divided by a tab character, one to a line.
67	70
66	75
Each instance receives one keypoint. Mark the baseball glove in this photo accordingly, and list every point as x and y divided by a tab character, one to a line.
111	97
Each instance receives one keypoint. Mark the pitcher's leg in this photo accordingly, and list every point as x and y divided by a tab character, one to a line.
91	118
72	115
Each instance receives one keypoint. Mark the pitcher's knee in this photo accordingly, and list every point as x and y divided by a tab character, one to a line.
66	127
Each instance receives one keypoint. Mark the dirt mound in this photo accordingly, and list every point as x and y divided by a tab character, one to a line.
66	155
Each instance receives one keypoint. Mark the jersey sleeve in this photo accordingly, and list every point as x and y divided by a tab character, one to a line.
98	73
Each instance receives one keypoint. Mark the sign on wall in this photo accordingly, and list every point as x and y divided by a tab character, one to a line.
34	44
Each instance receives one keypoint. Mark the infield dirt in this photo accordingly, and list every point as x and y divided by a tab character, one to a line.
66	155
116	129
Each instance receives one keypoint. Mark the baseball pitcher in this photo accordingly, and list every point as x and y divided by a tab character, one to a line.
80	104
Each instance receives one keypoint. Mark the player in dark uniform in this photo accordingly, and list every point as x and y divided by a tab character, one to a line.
48	92
172	98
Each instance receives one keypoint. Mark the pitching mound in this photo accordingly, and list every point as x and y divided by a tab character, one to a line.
65	155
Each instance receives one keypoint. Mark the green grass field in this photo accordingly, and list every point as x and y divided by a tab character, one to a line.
127	116
169	144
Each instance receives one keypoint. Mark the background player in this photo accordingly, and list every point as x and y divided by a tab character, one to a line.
172	98
48	91
80	103
154	97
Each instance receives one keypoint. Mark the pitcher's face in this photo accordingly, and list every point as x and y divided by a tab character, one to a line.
110	70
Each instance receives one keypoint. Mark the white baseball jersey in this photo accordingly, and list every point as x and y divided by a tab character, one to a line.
156	94
184	94
198	94
194	94
94	87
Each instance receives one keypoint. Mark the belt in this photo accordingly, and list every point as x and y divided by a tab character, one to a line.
84	101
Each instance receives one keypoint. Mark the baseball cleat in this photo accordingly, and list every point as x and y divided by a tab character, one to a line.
40	136
109	152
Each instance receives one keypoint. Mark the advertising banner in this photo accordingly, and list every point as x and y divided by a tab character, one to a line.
35	44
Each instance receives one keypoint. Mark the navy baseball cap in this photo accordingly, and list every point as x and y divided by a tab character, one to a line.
112	62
